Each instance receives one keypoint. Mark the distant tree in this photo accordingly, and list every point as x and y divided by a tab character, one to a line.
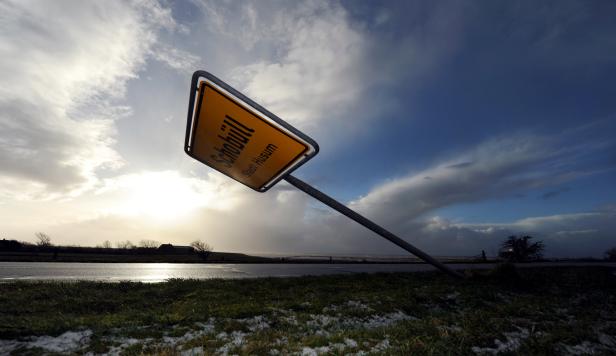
149	243
610	254
106	244
520	249
42	239
201	246
125	244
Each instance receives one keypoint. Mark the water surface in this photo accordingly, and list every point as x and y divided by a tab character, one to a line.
158	272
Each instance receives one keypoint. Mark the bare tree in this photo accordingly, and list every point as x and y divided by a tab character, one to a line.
106	244
149	243
125	244
43	240
201	246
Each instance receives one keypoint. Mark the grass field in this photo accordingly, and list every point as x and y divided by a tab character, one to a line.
530	311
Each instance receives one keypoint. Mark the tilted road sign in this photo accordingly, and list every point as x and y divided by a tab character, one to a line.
236	136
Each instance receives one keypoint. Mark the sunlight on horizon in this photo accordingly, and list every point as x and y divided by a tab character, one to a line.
163	196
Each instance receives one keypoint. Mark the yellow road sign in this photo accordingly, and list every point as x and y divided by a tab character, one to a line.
237	137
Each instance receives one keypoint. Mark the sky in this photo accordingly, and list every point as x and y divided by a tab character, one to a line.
453	124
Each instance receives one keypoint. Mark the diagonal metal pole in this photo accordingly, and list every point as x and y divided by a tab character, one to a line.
344	210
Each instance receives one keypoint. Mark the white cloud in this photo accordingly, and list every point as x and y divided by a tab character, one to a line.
239	21
175	58
318	74
316	66
63	65
494	168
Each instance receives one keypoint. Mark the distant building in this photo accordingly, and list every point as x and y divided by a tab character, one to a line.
9	245
169	248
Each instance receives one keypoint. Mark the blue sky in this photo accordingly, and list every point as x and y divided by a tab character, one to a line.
454	124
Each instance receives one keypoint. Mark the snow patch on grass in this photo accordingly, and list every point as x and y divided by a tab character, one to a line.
292	320
70	341
607	343
193	352
256	323
330	348
281	341
235	339
320	322
513	341
585	348
607	340
203	328
350	342
451	328
381	346
124	343
309	351
349	305
452	296
317	324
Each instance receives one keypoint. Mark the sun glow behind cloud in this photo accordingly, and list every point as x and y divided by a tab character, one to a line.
162	196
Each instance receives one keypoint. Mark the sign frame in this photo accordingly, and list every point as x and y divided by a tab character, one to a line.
263	114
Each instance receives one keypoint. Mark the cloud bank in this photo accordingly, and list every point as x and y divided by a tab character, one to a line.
285	220
64	67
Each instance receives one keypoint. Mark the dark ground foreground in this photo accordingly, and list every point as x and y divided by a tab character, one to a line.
529	311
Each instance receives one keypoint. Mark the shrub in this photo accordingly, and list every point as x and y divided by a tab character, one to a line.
520	249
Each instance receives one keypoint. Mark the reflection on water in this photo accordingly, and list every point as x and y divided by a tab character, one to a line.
158	272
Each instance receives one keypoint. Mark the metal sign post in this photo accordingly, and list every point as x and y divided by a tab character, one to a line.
239	138
351	214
